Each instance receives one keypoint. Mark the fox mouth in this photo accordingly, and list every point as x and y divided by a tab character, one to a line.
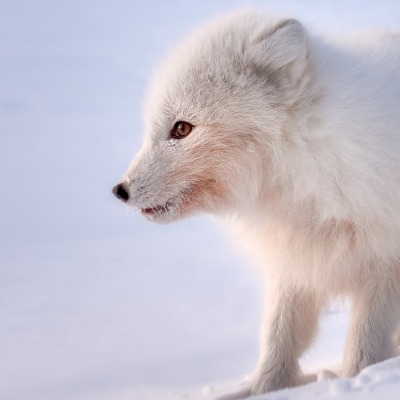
175	208
171	206
151	211
184	203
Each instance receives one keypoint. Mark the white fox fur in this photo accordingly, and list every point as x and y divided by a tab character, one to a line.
296	145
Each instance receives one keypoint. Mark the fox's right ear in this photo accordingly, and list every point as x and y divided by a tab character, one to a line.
280	45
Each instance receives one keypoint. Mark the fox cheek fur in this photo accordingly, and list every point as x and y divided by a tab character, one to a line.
295	145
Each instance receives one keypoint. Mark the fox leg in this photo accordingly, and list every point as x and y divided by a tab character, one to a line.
290	325
375	314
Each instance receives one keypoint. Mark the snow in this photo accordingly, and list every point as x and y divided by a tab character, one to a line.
380	381
96	303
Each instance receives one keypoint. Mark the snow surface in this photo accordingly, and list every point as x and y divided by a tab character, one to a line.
96	303
379	381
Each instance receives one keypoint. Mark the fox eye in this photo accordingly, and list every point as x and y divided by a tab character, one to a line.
181	129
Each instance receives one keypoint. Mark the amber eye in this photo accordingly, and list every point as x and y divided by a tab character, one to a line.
181	129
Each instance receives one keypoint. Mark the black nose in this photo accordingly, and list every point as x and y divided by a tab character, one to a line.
121	192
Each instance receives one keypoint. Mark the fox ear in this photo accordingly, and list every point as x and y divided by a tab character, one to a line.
280	45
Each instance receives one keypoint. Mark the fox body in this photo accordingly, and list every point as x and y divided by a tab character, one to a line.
294	141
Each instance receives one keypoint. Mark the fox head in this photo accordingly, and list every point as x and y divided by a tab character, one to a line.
215	118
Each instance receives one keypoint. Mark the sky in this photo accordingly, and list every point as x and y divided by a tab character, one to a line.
95	302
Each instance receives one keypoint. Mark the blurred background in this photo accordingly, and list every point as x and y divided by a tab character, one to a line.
95	302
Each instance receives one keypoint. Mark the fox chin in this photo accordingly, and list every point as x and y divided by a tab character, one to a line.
294	141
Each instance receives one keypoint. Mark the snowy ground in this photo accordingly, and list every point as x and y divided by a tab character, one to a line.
95	303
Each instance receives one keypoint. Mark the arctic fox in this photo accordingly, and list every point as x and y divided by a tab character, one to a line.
294	141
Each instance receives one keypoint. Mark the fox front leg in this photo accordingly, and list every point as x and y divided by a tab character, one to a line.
375	313
290	325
